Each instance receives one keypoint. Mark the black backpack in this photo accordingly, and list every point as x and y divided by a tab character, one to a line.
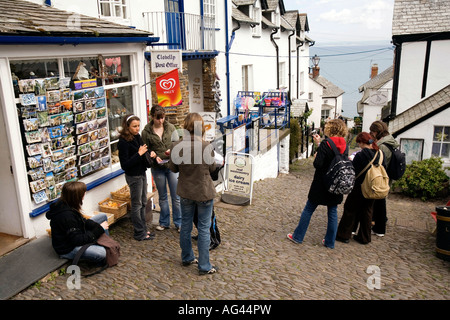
397	165
340	176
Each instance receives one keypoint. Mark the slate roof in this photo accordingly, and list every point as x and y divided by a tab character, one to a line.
379	80
304	21
18	17
330	89
420	16
238	15
431	105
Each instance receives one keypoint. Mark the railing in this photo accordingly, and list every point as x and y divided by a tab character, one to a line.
179	30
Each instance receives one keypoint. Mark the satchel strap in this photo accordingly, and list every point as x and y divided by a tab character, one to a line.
78	256
380	160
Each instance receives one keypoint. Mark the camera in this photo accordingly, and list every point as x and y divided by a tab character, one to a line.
313	133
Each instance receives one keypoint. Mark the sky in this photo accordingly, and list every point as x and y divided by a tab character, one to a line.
346	21
350	36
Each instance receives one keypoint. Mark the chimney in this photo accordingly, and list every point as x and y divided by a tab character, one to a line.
315	72
374	71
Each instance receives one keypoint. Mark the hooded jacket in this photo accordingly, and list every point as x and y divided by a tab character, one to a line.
157	144
70	229
318	192
387	140
130	161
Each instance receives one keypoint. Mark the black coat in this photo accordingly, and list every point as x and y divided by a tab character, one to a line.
130	161
318	192
70	229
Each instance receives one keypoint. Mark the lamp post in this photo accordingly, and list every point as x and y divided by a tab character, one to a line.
315	60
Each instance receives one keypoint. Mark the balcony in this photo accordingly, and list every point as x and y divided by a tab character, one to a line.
179	30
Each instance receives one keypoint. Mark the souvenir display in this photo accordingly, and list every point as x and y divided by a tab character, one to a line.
65	133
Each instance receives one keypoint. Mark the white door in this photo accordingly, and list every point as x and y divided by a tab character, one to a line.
10	221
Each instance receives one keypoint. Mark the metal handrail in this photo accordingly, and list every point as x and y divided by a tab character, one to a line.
179	30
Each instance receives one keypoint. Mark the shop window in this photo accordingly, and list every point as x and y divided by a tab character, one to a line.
81	68
325	114
32	69
116	69
119	102
441	142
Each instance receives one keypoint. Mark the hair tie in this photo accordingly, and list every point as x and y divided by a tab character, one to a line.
370	141
130	117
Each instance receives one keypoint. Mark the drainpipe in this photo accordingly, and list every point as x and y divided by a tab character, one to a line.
289	48
278	58
227	58
298	66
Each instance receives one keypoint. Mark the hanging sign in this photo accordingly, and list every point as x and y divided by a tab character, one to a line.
166	60
168	91
209	119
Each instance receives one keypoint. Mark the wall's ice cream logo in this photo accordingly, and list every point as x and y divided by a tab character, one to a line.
168	91
167	84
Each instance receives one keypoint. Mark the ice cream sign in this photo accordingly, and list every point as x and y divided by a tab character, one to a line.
168	91
166	60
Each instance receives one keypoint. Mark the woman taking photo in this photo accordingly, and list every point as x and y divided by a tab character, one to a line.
159	136
318	194
132	161
70	230
196	189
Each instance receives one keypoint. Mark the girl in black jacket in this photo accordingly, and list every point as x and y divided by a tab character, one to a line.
132	160
318	194
70	230
358	209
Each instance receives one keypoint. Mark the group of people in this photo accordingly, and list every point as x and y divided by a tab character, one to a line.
361	217
188	176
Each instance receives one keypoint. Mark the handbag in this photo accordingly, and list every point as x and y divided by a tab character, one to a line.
112	248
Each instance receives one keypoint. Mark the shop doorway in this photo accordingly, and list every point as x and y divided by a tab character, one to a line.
10	223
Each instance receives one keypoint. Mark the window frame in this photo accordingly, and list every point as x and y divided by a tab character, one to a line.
441	142
124	5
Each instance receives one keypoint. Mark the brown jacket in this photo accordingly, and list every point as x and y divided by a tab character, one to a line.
194	181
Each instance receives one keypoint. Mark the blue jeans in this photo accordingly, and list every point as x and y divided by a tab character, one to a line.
94	253
162	177
303	224
138	194
204	222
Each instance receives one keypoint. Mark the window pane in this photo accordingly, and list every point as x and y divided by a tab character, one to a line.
105	9
446	137
120	103
117	69
437	133
445	153
32	69
81	68
436	149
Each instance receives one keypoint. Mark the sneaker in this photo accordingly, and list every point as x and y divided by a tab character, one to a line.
179	229
188	263
342	239
161	228
378	234
289	236
210	271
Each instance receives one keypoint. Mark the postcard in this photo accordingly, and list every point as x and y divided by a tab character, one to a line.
53	96
27	85
27	99
42	103
33	136
31	124
36	174
34	149
40	197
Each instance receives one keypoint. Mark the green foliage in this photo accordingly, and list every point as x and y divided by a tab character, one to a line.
294	141
424	179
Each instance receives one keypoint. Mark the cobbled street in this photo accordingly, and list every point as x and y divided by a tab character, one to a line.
257	261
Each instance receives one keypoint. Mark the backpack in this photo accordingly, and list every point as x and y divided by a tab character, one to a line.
376	181
397	165
340	176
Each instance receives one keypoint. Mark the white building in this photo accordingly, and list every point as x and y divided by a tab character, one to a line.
419	116
376	93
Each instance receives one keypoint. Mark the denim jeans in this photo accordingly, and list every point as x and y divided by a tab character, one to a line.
162	177
138	193
303	224
204	222
94	253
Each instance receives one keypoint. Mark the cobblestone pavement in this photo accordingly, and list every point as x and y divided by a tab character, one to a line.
257	261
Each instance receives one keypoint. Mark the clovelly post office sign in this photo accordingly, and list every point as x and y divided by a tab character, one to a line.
166	60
